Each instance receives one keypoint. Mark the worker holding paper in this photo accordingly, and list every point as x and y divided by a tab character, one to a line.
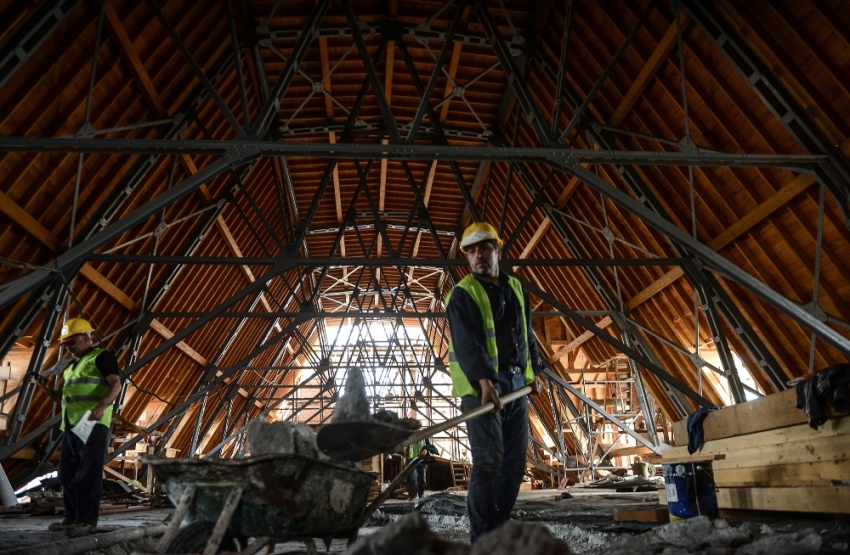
91	383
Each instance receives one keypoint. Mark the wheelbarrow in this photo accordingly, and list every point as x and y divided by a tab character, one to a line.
272	498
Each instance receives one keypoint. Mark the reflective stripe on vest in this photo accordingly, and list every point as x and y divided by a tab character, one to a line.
460	383
84	388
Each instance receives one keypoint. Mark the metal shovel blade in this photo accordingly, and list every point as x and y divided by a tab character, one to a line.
357	441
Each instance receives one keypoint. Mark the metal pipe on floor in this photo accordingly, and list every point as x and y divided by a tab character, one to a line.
74	546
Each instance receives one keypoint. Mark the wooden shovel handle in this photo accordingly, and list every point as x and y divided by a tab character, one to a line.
468	415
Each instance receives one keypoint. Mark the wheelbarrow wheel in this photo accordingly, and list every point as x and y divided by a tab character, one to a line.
193	539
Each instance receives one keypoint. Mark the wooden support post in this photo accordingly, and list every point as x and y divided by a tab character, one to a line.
223	520
179	514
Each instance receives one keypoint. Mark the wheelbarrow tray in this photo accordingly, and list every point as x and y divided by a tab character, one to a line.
285	496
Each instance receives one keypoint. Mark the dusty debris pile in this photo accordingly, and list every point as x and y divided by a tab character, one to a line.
701	536
411	535
443	504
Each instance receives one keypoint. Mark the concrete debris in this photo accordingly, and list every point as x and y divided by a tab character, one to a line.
520	537
726	536
283	437
684	533
582	539
353	406
435	522
385	416
794	543
443	504
701	536
410	535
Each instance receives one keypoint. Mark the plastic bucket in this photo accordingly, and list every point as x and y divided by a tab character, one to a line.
690	490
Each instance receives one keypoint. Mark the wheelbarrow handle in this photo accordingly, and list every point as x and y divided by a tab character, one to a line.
468	415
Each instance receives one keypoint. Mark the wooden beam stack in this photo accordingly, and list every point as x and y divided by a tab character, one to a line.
772	459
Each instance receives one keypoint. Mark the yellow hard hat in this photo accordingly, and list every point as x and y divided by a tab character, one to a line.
477	232
75	326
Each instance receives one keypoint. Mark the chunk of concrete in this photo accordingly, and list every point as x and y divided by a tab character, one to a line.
267	437
515	537
691	533
283	438
353	406
725	536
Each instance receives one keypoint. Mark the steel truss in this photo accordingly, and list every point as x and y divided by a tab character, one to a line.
303	304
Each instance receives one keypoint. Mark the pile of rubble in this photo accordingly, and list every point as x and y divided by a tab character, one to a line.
413	534
701	536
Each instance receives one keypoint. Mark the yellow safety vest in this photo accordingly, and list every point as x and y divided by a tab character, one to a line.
460	383
416	449
84	388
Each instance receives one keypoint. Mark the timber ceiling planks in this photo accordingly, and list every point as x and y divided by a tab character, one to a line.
170	322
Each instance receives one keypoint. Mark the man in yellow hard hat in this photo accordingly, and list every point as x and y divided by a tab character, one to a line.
492	352
91	383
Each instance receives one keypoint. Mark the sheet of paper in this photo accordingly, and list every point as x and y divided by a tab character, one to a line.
84	427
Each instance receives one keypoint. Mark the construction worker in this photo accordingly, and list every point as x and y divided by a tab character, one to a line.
91	383
492	352
417	477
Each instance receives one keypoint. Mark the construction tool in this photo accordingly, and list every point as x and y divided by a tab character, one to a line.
360	440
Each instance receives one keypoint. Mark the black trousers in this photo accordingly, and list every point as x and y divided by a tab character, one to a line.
499	442
81	475
419	472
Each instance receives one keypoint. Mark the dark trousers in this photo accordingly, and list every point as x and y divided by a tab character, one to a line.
499	444
419	473
81	475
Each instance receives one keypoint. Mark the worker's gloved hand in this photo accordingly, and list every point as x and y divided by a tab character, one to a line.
489	394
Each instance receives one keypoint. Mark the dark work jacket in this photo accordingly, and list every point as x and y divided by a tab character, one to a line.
468	332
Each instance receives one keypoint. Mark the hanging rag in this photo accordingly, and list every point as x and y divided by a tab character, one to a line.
695	431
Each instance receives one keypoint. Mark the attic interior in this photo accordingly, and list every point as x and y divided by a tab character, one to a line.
250	198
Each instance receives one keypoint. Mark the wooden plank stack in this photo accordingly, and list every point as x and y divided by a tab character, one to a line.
772	460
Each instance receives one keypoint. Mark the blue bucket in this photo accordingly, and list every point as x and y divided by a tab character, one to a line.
690	490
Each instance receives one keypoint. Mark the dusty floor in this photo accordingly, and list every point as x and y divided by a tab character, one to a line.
585	521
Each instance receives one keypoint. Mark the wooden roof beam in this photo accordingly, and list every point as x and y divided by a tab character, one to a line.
770	205
453	64
638	86
388	92
166	333
46	238
793	78
329	112
223	229
429	183
130	56
650	68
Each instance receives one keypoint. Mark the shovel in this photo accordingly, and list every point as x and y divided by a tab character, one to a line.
359	440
